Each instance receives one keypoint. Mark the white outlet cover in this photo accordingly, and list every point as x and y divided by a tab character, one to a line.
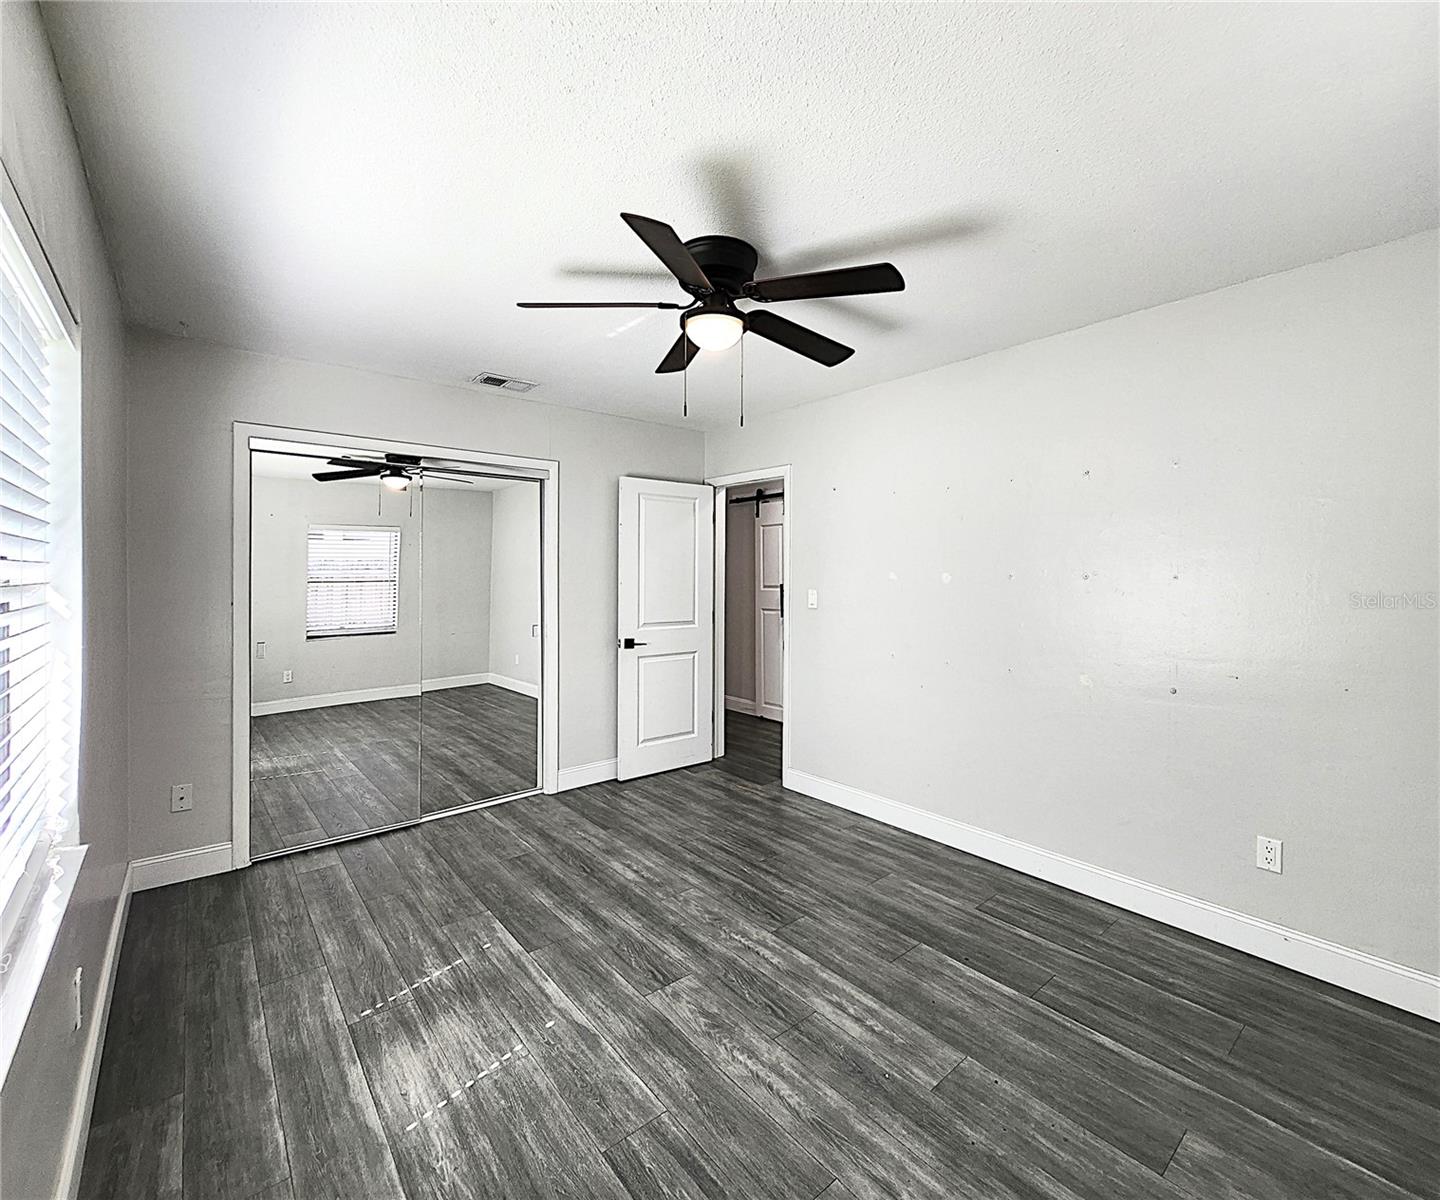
1269	854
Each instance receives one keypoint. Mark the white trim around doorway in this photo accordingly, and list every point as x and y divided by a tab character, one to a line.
722	484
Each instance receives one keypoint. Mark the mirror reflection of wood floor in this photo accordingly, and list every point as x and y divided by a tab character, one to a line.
700	985
322	773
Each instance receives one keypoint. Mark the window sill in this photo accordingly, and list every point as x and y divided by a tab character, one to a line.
21	981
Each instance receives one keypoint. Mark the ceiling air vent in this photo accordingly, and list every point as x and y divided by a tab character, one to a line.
505	382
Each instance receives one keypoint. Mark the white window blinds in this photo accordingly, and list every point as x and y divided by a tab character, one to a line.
30	793
353	580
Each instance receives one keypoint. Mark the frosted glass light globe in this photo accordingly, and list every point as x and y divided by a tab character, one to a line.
714	330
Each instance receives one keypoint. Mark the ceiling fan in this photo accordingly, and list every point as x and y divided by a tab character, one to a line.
717	271
395	471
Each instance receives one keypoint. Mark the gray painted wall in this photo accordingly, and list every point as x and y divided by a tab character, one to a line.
740	600
456	580
444	617
184	396
39	152
515	584
1102	601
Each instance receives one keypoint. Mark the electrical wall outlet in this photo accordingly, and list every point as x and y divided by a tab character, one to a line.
517	660
182	797
259	649
1267	853
287	676
812	598
534	631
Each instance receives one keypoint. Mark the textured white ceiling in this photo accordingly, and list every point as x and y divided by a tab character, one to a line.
377	185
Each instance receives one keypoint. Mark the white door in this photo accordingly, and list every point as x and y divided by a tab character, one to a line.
770	610
666	626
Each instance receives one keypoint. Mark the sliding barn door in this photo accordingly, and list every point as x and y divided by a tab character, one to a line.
666	626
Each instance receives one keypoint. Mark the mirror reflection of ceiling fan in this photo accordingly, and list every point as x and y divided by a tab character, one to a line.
395	471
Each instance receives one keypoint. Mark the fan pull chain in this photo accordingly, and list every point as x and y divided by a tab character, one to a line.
742	381
685	381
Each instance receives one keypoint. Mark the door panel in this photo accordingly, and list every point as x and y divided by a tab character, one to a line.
771	677
665	612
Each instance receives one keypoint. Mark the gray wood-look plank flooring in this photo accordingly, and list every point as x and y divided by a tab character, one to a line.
322	773
700	985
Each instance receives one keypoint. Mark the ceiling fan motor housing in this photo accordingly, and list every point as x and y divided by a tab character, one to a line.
728	262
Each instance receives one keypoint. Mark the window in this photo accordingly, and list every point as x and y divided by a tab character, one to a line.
352	580
39	613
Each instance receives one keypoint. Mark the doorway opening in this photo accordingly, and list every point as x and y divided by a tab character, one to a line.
752	679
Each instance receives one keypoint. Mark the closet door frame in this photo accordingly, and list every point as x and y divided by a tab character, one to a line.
249	436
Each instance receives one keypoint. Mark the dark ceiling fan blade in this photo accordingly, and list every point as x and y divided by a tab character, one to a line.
596	304
354	473
844	281
670	250
775	328
679	357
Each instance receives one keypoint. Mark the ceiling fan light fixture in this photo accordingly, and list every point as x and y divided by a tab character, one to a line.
395	479
714	330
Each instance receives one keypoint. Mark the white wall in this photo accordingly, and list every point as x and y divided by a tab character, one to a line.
1102	601
443	629
515	584
740	600
38	149
184	396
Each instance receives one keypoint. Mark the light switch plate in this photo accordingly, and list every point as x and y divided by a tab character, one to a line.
812	598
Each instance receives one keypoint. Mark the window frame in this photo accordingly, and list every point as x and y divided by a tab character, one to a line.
32	911
326	634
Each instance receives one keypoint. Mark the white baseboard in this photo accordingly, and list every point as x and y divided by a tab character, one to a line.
454	681
1389	982
78	1131
330	699
164	869
583	776
739	704
514	685
267	708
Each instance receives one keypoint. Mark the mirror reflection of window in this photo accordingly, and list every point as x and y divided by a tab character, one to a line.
335	662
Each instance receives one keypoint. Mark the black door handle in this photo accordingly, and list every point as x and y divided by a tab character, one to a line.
631	643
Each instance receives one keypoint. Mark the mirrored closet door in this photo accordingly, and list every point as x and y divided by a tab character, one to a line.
480	636
395	642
